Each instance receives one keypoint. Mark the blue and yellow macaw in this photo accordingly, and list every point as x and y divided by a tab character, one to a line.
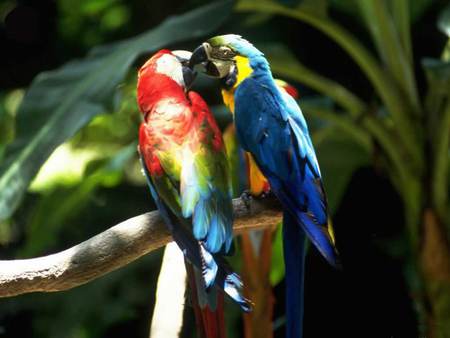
255	245
271	126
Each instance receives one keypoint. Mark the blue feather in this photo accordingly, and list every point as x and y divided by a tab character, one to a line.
280	144
294	249
285	156
212	222
210	209
215	269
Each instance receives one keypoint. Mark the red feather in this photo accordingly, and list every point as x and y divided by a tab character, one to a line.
211	323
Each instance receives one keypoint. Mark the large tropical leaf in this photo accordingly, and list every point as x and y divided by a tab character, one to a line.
60	102
46	223
285	65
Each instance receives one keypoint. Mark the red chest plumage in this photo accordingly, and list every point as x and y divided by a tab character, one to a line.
173	120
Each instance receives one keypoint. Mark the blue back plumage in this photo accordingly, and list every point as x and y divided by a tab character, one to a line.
271	126
280	142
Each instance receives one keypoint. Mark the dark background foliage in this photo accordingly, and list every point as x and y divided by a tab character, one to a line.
369	298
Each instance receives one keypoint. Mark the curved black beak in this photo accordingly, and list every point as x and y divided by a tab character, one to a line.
199	55
189	76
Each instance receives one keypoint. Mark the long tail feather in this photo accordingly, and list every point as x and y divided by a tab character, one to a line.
294	241
208	306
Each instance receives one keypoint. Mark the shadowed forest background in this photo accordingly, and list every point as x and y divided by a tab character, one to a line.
383	202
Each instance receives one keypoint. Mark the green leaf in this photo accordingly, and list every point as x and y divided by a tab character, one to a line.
417	7
341	148
438	78
390	44
444	21
61	102
277	261
345	125
446	52
339	156
402	20
317	7
286	65
438	107
47	221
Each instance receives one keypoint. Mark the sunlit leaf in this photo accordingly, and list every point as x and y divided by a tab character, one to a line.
47	220
444	21
277	266
60	102
64	167
438	78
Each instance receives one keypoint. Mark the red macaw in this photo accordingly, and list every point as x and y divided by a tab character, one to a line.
184	160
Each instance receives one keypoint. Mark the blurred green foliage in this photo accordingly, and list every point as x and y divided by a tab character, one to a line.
92	20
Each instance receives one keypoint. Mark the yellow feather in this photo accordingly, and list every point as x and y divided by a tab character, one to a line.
243	71
257	181
331	231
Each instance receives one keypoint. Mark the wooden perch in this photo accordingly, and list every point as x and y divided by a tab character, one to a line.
112	249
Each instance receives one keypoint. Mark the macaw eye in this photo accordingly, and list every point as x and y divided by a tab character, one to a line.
223	53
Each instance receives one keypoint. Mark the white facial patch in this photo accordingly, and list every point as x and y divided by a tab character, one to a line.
183	54
169	65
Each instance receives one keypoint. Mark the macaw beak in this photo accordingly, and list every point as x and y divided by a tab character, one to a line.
199	55
206	64
189	74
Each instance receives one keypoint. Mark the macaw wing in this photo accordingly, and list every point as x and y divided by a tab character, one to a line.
205	187
214	268
167	200
281	145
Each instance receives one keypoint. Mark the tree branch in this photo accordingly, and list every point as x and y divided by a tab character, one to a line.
112	249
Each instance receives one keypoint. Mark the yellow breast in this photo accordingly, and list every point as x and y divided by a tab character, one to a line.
243	71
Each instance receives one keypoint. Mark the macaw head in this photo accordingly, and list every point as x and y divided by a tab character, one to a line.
173	64
165	74
223	55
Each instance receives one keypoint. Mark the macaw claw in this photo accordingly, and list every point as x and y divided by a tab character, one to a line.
247	197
